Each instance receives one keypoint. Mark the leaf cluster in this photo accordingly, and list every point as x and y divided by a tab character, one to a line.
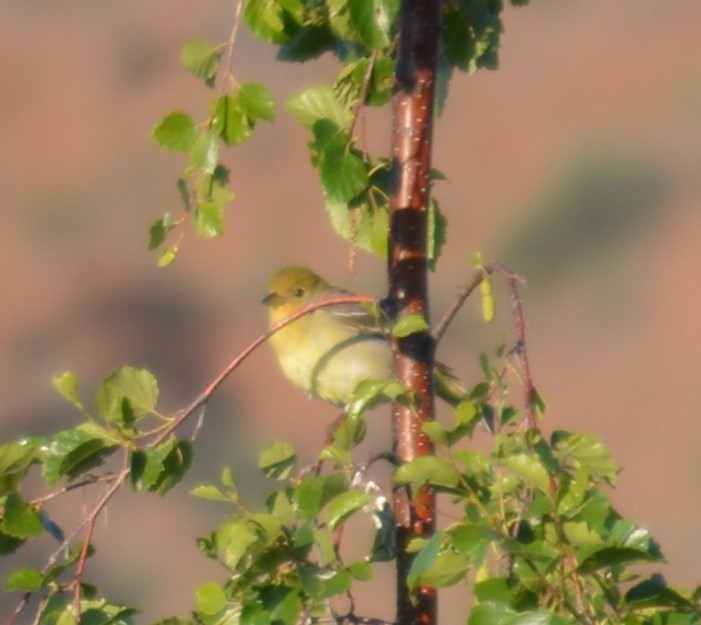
363	36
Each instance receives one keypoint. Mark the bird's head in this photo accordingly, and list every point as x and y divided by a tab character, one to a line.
293	287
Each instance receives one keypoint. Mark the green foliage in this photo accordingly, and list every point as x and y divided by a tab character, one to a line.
531	533
363	35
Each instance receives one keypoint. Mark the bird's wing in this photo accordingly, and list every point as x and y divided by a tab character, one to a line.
361	317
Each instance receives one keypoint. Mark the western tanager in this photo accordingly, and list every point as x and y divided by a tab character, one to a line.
329	351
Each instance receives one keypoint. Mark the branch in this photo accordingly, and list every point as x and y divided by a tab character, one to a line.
463	293
513	280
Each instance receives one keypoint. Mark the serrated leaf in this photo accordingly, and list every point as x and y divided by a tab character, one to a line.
277	460
317	103
176	132
19	519
127	385
344	506
201	59
587	451
257	101
344	175
409	324
25	579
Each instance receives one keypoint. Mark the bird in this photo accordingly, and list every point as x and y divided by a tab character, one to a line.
329	351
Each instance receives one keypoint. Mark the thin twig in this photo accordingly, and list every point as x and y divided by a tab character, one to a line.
90	527
462	295
513	279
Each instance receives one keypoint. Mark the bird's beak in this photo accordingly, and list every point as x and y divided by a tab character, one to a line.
271	299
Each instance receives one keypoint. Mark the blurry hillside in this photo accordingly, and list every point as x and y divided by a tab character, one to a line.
577	163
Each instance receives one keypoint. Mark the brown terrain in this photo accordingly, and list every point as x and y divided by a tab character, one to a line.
577	163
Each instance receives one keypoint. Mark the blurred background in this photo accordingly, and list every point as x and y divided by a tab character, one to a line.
577	163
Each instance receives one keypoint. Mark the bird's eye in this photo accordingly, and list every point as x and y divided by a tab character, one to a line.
298	292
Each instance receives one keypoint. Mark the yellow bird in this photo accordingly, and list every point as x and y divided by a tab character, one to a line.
329	351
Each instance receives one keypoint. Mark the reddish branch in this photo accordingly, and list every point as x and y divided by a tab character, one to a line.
512	279
412	133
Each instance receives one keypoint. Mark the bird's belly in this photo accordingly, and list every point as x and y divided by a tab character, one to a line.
334	376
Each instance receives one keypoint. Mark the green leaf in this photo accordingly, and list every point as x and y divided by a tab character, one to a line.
201	59
75	451
127	394
209	219
309	42
159	231
19	519
345	505
168	256
233	541
257	101
308	497
317	103
447	569
277	460
208	491
266	20
409	324
25	579
437	226
361	571
282	603
362	225
530	468
176	132
472	541
492	613
344	175
424	560
15	460
211	598
231	121
539	617
654	592
369	393
322	584
374	21
427	470
68	384
588	452
613	556
175	465
204	153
